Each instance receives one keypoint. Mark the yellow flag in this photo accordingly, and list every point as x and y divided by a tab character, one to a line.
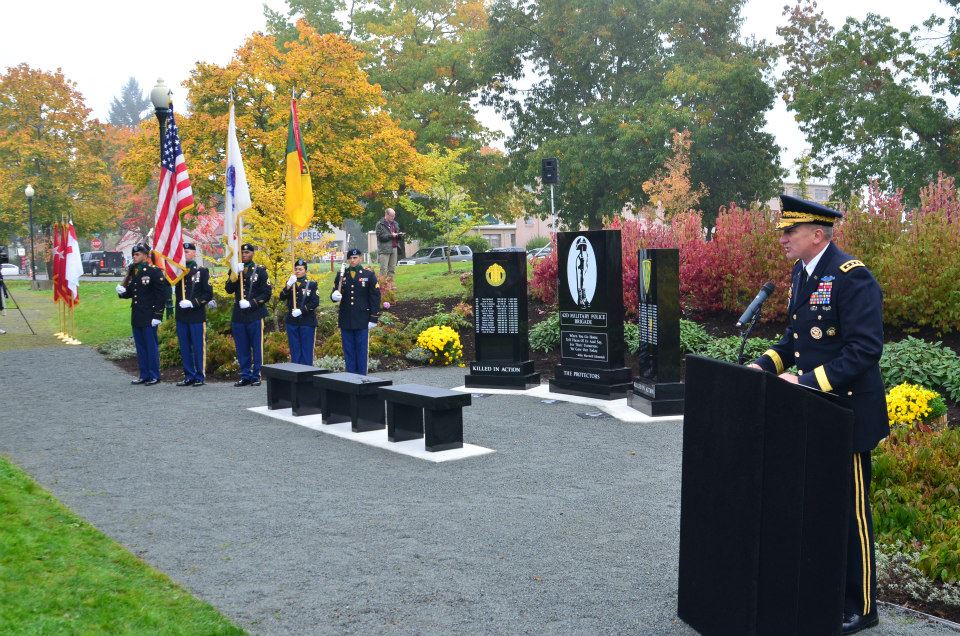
299	202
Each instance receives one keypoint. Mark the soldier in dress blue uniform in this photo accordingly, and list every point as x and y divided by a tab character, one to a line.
192	294
148	288
835	339
302	299
358	292
249	310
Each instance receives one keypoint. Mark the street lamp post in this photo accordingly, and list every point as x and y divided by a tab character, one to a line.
28	191
162	105
162	99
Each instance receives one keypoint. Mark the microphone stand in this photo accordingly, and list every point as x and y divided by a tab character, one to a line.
745	333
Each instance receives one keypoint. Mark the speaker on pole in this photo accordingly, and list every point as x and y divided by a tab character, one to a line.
550	170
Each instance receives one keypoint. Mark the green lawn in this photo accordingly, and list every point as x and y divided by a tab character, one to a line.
414	282
59	574
99	317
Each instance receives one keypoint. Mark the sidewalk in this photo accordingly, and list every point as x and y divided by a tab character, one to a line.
569	528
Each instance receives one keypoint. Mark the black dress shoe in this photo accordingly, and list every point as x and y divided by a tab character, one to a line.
198	383
151	382
255	382
853	623
186	383
242	382
138	381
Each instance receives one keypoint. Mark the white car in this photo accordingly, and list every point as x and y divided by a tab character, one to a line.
9	269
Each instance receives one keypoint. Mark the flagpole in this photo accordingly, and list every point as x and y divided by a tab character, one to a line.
293	259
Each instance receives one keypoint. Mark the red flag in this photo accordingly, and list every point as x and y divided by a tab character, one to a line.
174	197
57	262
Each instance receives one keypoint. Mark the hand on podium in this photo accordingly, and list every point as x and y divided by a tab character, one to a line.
754	365
790	377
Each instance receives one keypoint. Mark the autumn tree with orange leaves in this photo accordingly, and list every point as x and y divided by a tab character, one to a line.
49	141
670	190
353	146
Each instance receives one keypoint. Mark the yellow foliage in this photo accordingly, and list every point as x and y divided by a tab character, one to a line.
908	404
352	145
670	190
443	343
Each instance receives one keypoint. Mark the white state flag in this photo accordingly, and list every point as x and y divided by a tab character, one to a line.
237	199
73	268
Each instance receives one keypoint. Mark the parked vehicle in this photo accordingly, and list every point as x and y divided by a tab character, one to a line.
438	254
540	252
9	269
95	263
506	249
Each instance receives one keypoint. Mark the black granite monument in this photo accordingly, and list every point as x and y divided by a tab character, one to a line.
590	290
500	323
657	389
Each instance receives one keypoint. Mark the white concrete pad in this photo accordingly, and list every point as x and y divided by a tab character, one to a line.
412	448
619	409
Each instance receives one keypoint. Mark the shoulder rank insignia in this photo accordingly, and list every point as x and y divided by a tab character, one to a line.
846	267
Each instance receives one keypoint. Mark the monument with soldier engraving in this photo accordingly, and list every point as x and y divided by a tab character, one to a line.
590	296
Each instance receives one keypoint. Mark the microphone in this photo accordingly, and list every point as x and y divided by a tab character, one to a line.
754	307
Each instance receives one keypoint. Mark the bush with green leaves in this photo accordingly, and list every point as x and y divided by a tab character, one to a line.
900	581
728	348
336	363
456	320
537	241
917	361
118	349
916	498
545	335
475	242
419	355
631	336
169	344
693	337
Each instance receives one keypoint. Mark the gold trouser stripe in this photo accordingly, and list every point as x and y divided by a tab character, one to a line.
773	355
261	341
204	371
822	380
861	514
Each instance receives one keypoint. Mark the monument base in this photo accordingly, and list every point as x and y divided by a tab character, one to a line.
502	375
657	398
603	384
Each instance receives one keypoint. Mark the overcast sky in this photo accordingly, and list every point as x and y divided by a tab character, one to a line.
101	43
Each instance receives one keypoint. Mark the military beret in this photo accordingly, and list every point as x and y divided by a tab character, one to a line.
248	247
300	263
190	246
354	252
794	210
140	247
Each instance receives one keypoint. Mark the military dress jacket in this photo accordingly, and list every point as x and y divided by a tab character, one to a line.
835	340
149	291
256	289
307	303
360	304
195	287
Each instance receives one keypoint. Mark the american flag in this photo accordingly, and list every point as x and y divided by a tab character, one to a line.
174	197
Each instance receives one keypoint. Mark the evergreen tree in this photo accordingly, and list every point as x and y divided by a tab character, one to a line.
130	107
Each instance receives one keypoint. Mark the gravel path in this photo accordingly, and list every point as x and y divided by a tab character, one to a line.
569	528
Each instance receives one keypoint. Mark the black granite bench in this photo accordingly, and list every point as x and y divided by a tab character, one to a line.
417	410
348	397
291	386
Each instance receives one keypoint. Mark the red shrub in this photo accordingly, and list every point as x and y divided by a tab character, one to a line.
545	272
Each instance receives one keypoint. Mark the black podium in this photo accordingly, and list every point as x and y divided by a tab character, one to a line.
763	505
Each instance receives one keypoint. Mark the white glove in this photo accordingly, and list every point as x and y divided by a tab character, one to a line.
212	304
296	313
186	304
244	303
371	325
336	296
292	280
121	289
238	268
154	323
